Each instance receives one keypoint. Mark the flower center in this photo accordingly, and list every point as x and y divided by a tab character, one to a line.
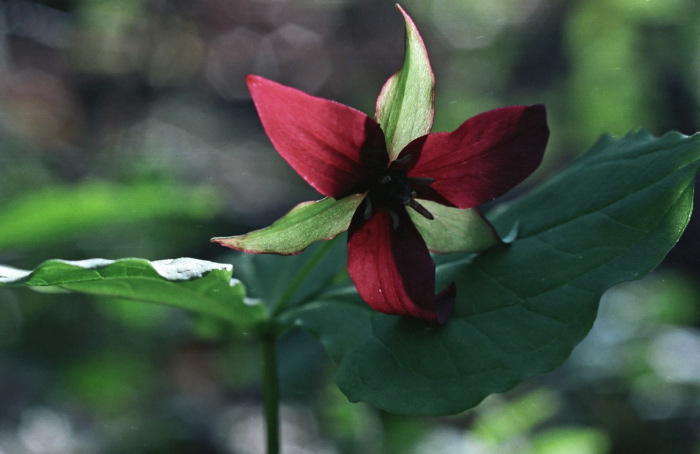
393	190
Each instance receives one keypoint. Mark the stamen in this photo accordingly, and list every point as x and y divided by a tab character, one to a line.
403	160
384	179
421	181
394	219
368	208
420	209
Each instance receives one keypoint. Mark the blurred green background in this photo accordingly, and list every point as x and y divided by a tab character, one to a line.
126	130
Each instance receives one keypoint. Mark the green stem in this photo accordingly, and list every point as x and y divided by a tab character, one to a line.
302	274
271	393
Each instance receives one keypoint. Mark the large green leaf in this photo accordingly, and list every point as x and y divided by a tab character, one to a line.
522	307
195	285
279	280
405	104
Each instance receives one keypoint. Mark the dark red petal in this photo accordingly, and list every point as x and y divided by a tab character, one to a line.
333	147
392	268
484	158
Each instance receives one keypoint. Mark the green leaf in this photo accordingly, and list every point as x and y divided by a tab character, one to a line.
56	213
522	307
405	104
195	285
305	224
453	229
279	280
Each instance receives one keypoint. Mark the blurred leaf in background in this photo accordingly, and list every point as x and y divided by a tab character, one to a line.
57	214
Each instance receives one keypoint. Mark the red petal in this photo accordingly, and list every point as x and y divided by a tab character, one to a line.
392	268
333	147
484	158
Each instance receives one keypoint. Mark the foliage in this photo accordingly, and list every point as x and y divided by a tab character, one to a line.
610	217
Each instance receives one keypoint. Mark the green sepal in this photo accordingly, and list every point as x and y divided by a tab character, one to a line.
454	229
405	104
304	225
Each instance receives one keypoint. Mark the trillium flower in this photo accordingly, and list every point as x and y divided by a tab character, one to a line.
400	191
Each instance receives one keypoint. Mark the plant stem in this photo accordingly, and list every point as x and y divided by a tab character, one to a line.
302	274
271	393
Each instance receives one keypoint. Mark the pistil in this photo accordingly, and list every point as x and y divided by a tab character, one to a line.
393	190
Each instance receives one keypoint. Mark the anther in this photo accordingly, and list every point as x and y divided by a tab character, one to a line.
394	219
368	208
384	179
403	160
420	209
421	181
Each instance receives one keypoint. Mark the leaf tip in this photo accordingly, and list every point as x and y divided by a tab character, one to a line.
227	241
405	14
